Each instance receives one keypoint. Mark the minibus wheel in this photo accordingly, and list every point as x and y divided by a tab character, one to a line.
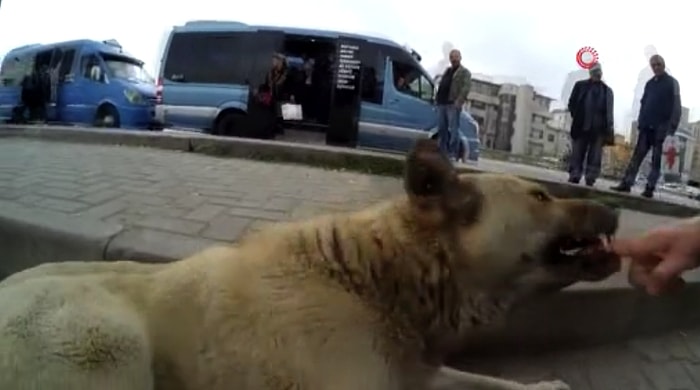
229	123
107	116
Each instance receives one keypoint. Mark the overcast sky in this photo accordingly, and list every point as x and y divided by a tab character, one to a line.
535	40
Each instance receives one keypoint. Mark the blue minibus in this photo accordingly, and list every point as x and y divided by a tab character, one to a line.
91	82
361	91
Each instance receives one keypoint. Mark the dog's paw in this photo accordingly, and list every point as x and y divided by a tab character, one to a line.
548	385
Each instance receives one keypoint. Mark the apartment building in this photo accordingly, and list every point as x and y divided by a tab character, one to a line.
558	135
512	118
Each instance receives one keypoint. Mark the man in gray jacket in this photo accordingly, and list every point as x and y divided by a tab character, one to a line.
591	108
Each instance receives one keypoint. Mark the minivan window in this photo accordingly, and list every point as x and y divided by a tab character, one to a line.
89	67
409	79
372	73
14	69
66	64
125	68
207	57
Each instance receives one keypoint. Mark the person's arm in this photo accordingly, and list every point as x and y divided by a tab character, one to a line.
610	113
464	87
660	256
642	100
676	111
573	98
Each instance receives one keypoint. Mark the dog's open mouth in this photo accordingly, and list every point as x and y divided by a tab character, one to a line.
581	246
584	258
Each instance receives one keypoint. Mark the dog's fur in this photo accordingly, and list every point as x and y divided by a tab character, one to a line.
367	300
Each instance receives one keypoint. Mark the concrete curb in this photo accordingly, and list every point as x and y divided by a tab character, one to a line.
29	237
314	155
584	315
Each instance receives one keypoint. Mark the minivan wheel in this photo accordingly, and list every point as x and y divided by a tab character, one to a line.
107	116
230	124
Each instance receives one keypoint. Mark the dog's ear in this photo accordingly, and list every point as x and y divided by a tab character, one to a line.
428	171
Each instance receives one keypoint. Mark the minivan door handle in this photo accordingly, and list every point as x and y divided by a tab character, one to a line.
394	101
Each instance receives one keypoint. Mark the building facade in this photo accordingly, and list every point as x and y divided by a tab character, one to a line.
512	118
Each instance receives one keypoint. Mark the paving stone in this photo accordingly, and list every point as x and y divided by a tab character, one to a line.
175	225
226	228
205	212
259	214
100	196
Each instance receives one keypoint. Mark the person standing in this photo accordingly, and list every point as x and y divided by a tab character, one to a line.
451	96
591	108
659	117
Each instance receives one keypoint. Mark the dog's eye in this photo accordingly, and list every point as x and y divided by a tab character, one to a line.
540	196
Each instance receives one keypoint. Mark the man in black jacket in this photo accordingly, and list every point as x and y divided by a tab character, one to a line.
591	108
659	117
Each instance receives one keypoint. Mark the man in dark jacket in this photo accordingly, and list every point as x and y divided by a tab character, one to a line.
591	108
659	117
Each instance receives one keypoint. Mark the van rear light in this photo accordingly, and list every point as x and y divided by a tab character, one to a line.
159	91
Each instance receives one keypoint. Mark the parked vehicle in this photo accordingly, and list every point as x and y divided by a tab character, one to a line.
367	92
94	83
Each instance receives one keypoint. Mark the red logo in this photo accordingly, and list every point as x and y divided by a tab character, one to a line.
586	57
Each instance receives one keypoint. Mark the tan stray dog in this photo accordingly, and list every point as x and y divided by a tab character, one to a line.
357	301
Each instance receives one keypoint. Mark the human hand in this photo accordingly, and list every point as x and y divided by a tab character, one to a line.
660	256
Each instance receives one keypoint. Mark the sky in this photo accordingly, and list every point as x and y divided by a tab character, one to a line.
533	40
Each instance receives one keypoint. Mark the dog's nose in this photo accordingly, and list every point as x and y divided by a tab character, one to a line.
605	218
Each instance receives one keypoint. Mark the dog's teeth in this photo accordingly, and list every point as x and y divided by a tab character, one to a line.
571	252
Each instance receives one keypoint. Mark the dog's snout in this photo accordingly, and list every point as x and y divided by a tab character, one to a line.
593	217
609	219
602	218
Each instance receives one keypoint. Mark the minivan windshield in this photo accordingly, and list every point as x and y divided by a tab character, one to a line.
125	68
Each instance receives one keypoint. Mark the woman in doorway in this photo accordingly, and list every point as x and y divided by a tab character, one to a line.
277	87
277	78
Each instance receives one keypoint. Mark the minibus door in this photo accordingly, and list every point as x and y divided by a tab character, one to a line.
344	115
52	110
261	120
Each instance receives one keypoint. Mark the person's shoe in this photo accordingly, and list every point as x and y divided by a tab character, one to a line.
648	193
574	180
621	188
590	183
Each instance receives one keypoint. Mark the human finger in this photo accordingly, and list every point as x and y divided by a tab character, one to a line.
639	273
671	266
644	246
655	287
